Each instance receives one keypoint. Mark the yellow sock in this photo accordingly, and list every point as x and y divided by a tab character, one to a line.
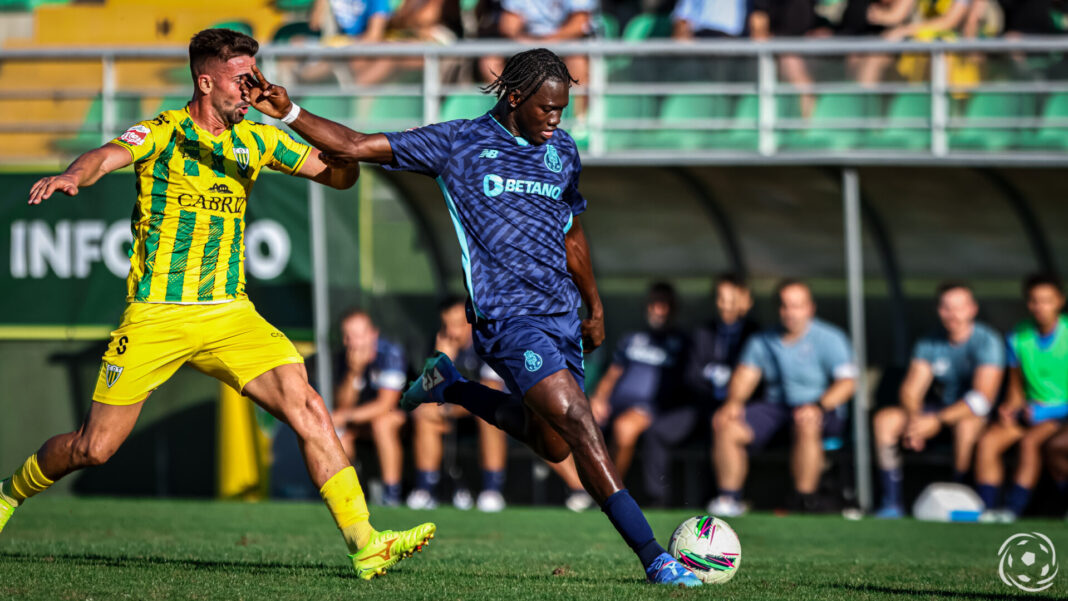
344	498
24	483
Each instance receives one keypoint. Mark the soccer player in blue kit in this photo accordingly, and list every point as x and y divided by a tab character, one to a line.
510	181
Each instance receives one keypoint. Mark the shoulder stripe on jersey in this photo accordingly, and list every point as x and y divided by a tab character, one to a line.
217	158
211	258
190	149
285	156
233	268
161	173
183	240
259	143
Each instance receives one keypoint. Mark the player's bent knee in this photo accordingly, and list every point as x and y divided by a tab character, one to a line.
88	453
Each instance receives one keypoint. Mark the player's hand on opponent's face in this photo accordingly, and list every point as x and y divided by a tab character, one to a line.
270	99
592	333
45	186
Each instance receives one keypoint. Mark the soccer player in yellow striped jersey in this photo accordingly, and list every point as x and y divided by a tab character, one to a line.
186	291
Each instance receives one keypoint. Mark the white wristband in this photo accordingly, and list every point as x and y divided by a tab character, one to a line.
294	112
978	403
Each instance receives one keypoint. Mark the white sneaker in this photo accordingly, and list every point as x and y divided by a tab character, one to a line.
579	501
490	501
421	499
726	507
462	500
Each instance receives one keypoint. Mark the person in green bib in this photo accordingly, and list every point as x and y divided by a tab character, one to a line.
1036	402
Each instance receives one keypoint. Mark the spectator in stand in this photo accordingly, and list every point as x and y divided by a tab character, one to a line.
538	21
427	20
809	375
431	422
645	377
356	22
373	374
951	384
1036	402
790	18
923	20
709	19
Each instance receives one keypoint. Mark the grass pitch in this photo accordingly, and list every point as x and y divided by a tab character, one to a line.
62	548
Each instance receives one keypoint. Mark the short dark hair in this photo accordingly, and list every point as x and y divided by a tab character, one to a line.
730	278
786	283
526	71
221	44
1042	279
354	312
451	301
663	292
948	285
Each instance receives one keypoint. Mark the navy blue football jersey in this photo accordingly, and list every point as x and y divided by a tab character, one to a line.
511	204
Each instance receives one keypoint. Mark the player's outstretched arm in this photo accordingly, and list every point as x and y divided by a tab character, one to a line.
84	171
340	142
581	268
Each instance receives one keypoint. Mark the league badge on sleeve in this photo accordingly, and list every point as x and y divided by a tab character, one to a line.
552	159
135	136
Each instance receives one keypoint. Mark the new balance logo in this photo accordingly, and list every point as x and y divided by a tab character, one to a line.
220	188
489	153
432	379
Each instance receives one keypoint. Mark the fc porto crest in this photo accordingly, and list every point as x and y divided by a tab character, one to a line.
552	159
111	374
241	154
533	361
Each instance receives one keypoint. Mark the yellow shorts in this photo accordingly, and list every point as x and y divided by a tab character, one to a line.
229	341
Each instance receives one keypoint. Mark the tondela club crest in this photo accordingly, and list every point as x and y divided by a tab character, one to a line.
552	159
241	154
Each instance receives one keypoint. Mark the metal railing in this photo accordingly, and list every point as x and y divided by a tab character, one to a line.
612	76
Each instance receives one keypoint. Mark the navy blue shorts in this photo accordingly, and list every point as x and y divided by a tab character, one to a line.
766	419
526	349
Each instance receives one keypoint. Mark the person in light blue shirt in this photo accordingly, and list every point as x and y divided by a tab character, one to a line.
709	18
809	373
951	383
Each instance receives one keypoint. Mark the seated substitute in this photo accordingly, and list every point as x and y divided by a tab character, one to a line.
645	377
809	375
951	383
373	372
431	422
714	352
1036	401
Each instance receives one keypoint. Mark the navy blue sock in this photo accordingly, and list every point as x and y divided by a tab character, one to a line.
391	493
427	480
631	524
493	480
1018	499
890	481
989	494
732	494
478	399
959	477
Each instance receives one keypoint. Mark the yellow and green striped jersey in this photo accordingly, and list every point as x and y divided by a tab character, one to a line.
192	190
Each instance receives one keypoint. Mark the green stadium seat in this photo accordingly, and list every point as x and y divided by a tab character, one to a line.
646	25
27	5
127	112
293	5
391	112
292	30
830	108
606	26
909	105
466	106
629	107
679	110
1053	137
335	108
238	26
992	105
744	135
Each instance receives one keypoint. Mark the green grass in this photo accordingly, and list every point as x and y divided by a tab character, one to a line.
62	548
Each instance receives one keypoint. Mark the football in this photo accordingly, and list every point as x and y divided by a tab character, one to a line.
709	547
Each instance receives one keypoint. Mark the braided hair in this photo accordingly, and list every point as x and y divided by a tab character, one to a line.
525	72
